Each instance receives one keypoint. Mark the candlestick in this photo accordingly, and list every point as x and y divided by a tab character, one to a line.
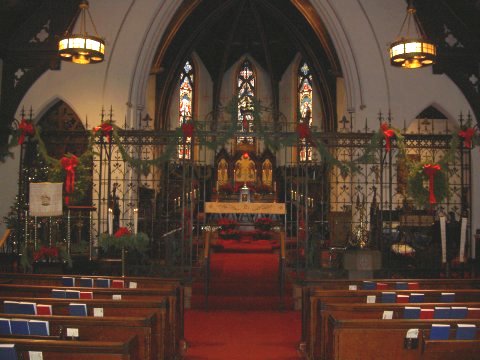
275	186
110	221
135	221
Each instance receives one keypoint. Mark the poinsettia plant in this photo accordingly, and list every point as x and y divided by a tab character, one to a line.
50	254
226	223
264	223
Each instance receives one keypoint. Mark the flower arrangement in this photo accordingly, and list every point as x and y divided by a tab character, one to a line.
264	223
124	239
227	224
48	254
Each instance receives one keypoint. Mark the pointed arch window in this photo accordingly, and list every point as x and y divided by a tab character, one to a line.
185	106
305	106
246	92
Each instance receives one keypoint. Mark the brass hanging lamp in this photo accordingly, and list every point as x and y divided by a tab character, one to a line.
82	48
412	50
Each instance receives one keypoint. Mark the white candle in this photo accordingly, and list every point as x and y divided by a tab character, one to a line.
110	221
443	237
135	221
463	238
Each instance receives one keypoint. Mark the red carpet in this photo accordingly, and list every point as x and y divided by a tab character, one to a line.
242	335
242	281
227	331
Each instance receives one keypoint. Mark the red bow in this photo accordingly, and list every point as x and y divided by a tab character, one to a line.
106	130
430	170
123	231
69	164
467	137
188	128
388	133
26	128
303	131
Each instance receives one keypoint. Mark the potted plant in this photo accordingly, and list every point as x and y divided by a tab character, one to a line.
50	259
264	224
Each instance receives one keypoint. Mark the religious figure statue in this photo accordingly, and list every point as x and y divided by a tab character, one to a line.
267	173
245	169
222	172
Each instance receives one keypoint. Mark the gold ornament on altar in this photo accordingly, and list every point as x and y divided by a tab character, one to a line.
360	234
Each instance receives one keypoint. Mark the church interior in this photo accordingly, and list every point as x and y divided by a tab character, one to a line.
239	179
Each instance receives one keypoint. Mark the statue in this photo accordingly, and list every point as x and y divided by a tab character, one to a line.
222	172
245	169
267	173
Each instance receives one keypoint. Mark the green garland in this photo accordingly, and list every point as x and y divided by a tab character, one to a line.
272	141
139	242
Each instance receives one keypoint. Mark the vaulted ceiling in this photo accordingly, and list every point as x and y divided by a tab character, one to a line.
272	31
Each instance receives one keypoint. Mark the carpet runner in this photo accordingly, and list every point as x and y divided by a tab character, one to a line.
243	318
242	281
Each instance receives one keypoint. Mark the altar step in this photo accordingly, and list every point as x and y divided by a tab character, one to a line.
246	246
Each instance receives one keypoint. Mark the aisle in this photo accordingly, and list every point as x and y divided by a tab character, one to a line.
243	320
242	335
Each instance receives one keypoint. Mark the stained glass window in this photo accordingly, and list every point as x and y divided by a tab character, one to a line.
246	93
185	106
305	106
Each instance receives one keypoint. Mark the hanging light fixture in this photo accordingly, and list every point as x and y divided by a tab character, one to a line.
82	48
412	51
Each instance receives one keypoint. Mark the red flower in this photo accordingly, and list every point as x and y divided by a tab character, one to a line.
123	231
26	129
45	252
227	223
106	130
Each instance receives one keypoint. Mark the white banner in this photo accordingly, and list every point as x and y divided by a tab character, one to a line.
46	199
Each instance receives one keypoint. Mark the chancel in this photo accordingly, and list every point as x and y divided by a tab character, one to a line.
242	179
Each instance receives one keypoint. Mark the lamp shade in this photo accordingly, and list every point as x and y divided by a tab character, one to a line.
46	199
412	49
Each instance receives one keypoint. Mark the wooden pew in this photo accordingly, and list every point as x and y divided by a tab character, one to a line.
450	349
319	297
364	311
75	350
141	282
115	308
378	339
164	291
102	329
310	285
